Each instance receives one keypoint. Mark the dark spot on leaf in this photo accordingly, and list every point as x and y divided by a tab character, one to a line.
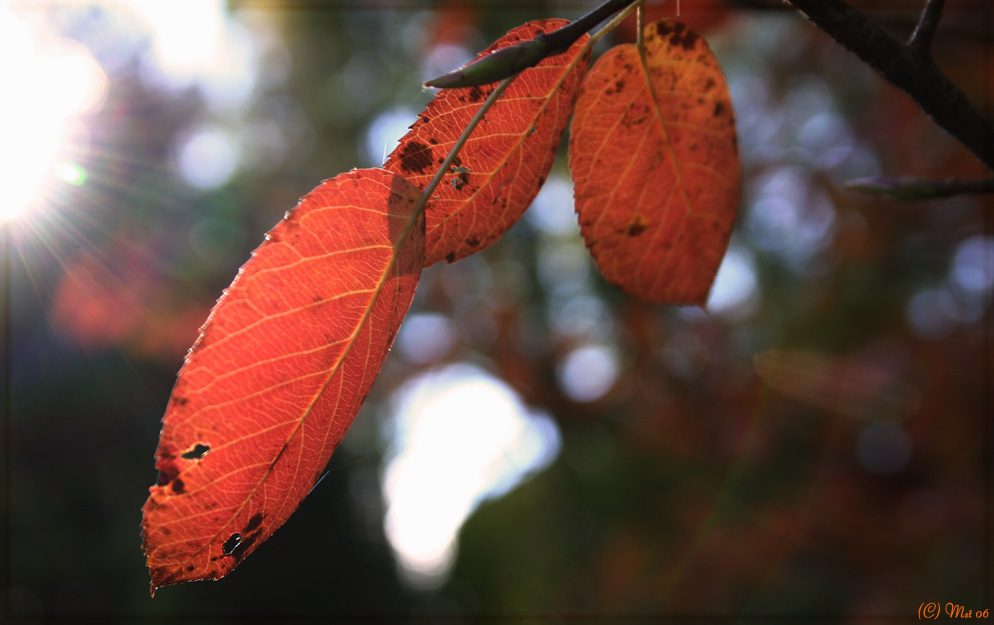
167	471
637	226
684	38
189	568
196	452
180	401
663	28
254	522
425	118
415	157
719	108
177	486
231	544
167	531
450	257
164	575
433	141
472	241
475	94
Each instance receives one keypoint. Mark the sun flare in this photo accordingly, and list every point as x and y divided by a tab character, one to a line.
48	83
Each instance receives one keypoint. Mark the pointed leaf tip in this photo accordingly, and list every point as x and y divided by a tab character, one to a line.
279	372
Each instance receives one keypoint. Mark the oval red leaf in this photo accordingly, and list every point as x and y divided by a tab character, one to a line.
655	165
507	158
279	372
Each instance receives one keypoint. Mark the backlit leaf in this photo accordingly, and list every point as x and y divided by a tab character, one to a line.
655	165
279	372
500	169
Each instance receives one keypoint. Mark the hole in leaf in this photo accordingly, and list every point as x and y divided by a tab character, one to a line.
231	544
242	548
196	452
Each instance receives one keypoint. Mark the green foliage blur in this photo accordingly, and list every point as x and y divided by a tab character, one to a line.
688	483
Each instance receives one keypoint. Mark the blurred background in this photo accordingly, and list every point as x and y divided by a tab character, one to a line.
816	444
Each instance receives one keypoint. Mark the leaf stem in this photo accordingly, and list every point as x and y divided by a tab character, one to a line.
640	26
460	142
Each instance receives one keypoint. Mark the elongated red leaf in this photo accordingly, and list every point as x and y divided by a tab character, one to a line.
655	165
279	372
507	158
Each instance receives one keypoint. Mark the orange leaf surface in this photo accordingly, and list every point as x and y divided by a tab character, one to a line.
500	169
279	372
655	165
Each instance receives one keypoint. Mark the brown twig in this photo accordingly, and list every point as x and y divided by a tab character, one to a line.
921	39
919	77
910	189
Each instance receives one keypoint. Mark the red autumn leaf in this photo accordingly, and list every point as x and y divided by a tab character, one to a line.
507	157
279	372
655	165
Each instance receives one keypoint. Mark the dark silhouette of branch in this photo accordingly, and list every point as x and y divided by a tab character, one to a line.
921	39
914	73
909	67
513	59
910	189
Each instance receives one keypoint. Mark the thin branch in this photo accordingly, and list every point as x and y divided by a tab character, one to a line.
910	189
920	78
921	39
513	59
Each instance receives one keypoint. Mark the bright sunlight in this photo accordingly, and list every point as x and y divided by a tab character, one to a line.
48	82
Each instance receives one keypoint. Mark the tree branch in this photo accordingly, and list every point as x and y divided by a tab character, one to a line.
917	76
910	189
921	39
513	59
